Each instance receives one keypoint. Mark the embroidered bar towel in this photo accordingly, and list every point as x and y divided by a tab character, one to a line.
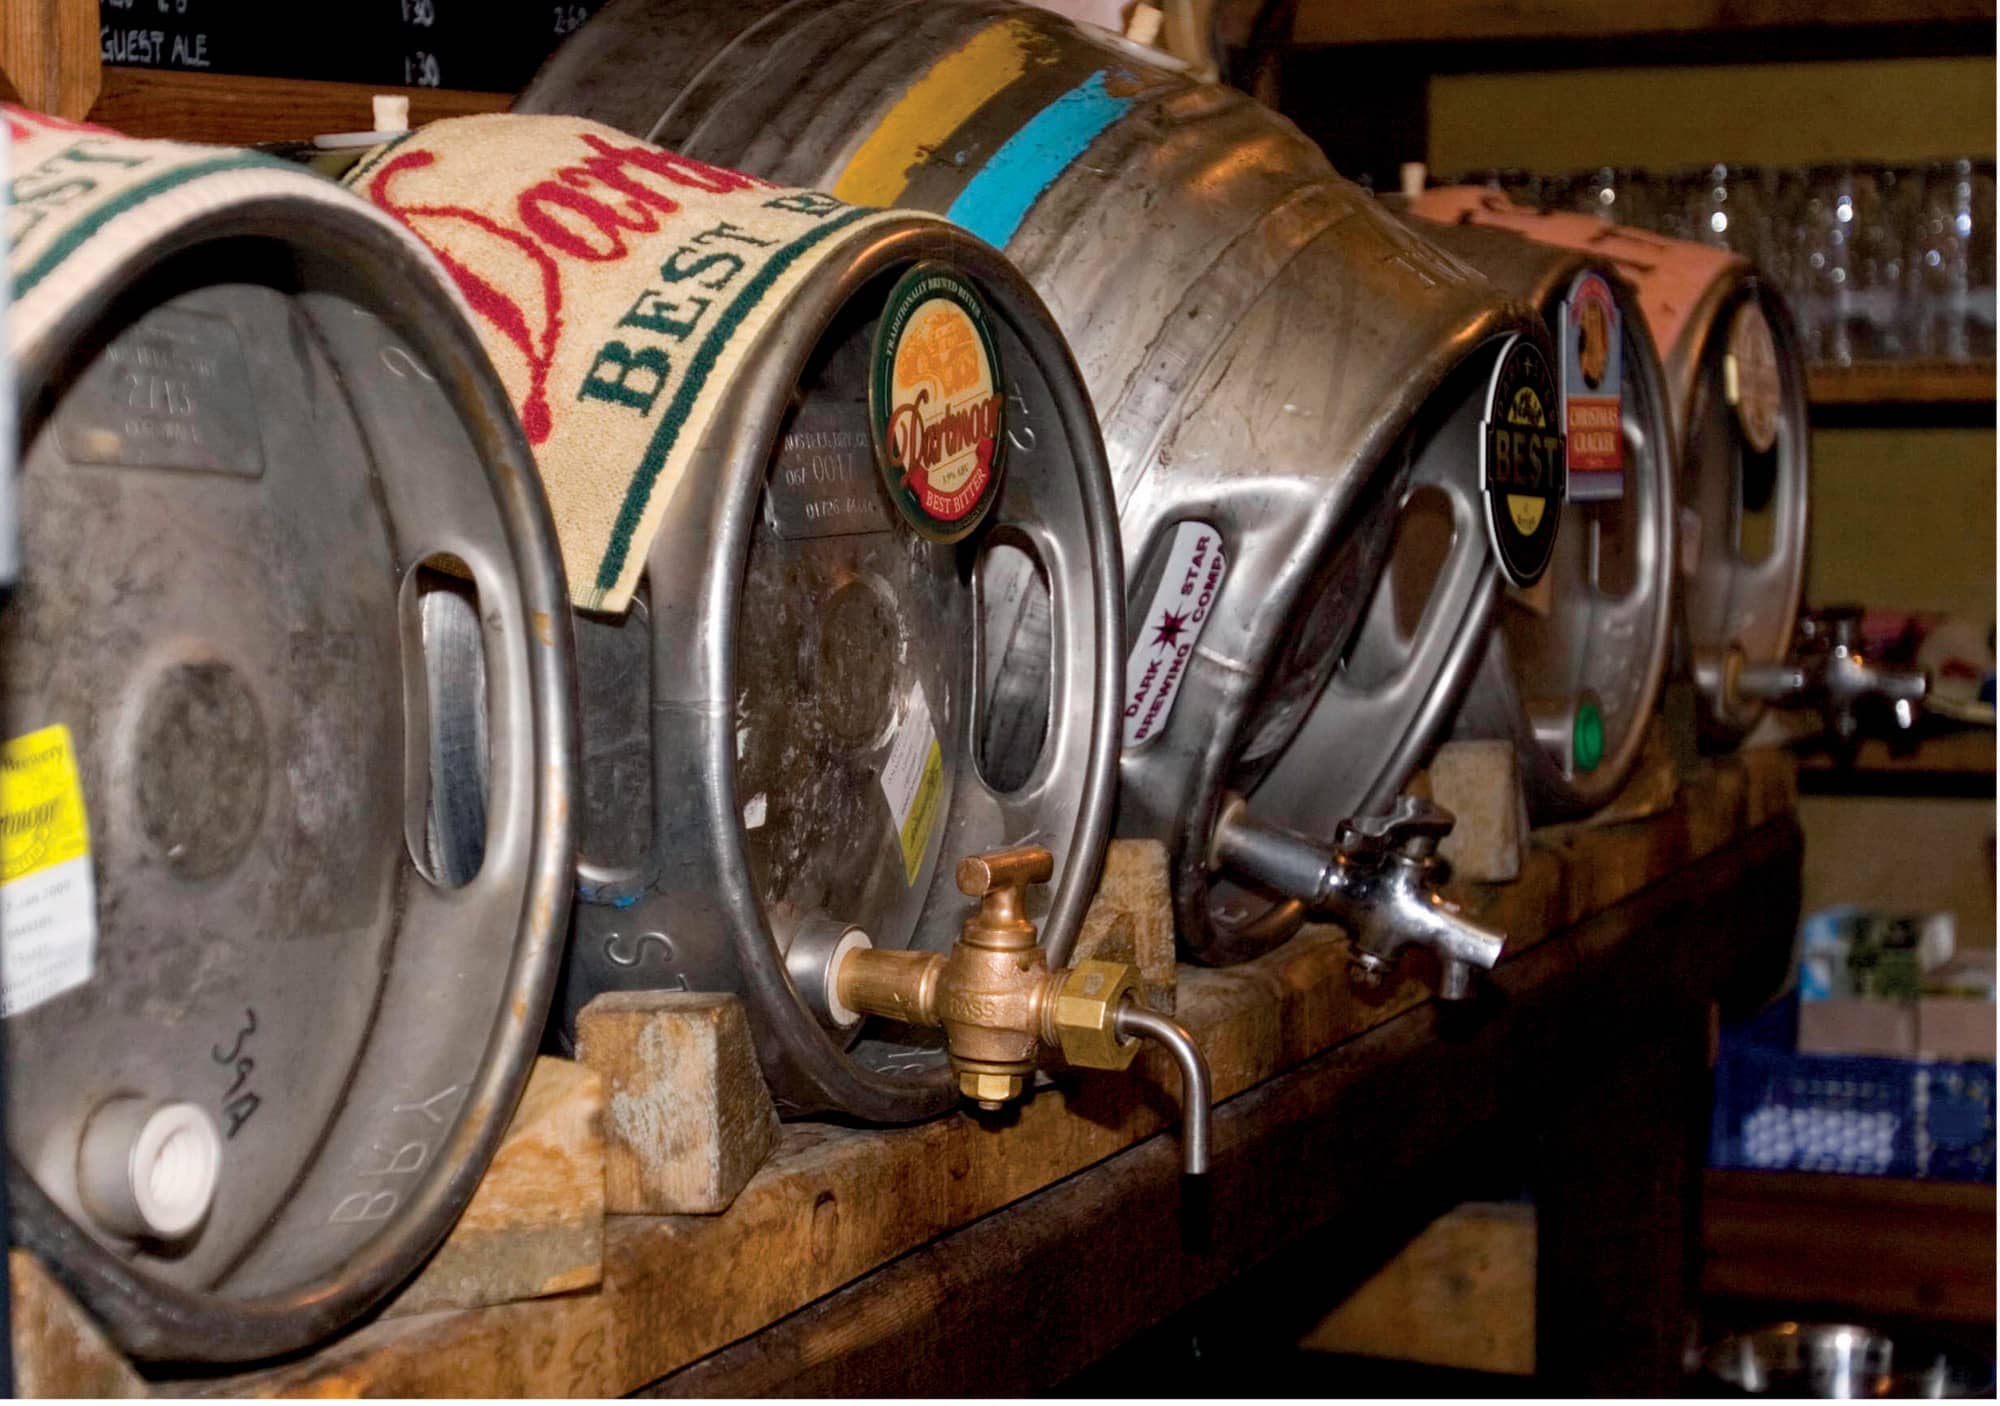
618	287
89	205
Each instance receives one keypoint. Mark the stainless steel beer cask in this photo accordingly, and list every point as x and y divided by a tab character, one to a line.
1273	359
788	662
1573	674
881	621
1735	378
270	1014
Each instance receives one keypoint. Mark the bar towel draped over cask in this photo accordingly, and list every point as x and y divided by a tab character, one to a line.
617	287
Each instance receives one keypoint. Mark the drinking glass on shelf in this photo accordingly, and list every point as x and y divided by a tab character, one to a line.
1827	280
1979	279
1937	283
1624	195
1875	262
1727	207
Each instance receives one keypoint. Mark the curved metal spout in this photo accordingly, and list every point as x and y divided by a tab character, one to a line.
1135	1022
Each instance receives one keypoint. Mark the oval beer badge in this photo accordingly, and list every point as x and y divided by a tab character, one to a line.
1751	376
1521	466
937	403
1593	367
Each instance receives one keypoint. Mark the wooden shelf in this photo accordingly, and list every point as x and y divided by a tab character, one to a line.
212	107
1876	1245
1945	765
1902	383
1968	753
1457	21
1058	1208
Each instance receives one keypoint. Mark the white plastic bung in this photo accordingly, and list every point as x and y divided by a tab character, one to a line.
853	940
176	1166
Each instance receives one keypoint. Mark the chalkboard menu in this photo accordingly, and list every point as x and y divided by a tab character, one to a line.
490	46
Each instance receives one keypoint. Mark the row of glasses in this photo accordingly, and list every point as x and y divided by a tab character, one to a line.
1879	262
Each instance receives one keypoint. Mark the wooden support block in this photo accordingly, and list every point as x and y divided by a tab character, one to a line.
1462	1294
1480	784
1132	919
49	54
535	1226
58	1348
688	1117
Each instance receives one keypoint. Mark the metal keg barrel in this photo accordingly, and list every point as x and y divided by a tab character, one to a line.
848	668
1272	357
1735	375
794	660
274	980
1575	669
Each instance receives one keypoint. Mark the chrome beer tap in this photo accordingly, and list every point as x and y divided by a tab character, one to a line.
1829	671
1377	880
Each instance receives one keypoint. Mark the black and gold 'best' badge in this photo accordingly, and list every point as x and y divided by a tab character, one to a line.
1522	470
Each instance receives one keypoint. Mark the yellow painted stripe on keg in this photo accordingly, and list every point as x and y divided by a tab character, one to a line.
954	88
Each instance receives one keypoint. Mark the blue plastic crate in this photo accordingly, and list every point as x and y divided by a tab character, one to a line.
1778	1110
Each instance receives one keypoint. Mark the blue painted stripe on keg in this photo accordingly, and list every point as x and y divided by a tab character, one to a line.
1000	194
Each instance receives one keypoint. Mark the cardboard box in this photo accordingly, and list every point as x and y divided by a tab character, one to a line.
1856	1026
1953	1027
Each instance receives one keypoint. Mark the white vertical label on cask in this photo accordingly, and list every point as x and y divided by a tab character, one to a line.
1170	629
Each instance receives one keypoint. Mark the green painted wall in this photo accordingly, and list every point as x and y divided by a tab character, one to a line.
1780	113
1903	518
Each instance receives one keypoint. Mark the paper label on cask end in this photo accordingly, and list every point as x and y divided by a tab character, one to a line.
1170	629
1593	368
48	893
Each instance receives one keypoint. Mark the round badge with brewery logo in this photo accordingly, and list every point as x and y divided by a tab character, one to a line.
937	403
1522	475
1753	376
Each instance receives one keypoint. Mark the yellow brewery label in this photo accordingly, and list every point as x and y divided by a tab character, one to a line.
41	798
48	900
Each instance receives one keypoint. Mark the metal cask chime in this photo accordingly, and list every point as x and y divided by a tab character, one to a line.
1276	363
278	949
834	505
1574	671
1736	381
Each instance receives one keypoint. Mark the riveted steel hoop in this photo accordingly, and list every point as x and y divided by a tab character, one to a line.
1618	650
1726	601
353	259
791	90
705	897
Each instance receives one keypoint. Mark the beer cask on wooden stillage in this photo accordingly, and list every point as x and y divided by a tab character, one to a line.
1736	382
279	941
842	541
1277	365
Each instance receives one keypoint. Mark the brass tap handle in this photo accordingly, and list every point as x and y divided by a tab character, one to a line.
997	879
1016	868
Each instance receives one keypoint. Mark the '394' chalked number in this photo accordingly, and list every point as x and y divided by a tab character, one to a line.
1523	474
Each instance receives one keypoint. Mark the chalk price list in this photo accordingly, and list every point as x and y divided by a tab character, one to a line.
481	45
